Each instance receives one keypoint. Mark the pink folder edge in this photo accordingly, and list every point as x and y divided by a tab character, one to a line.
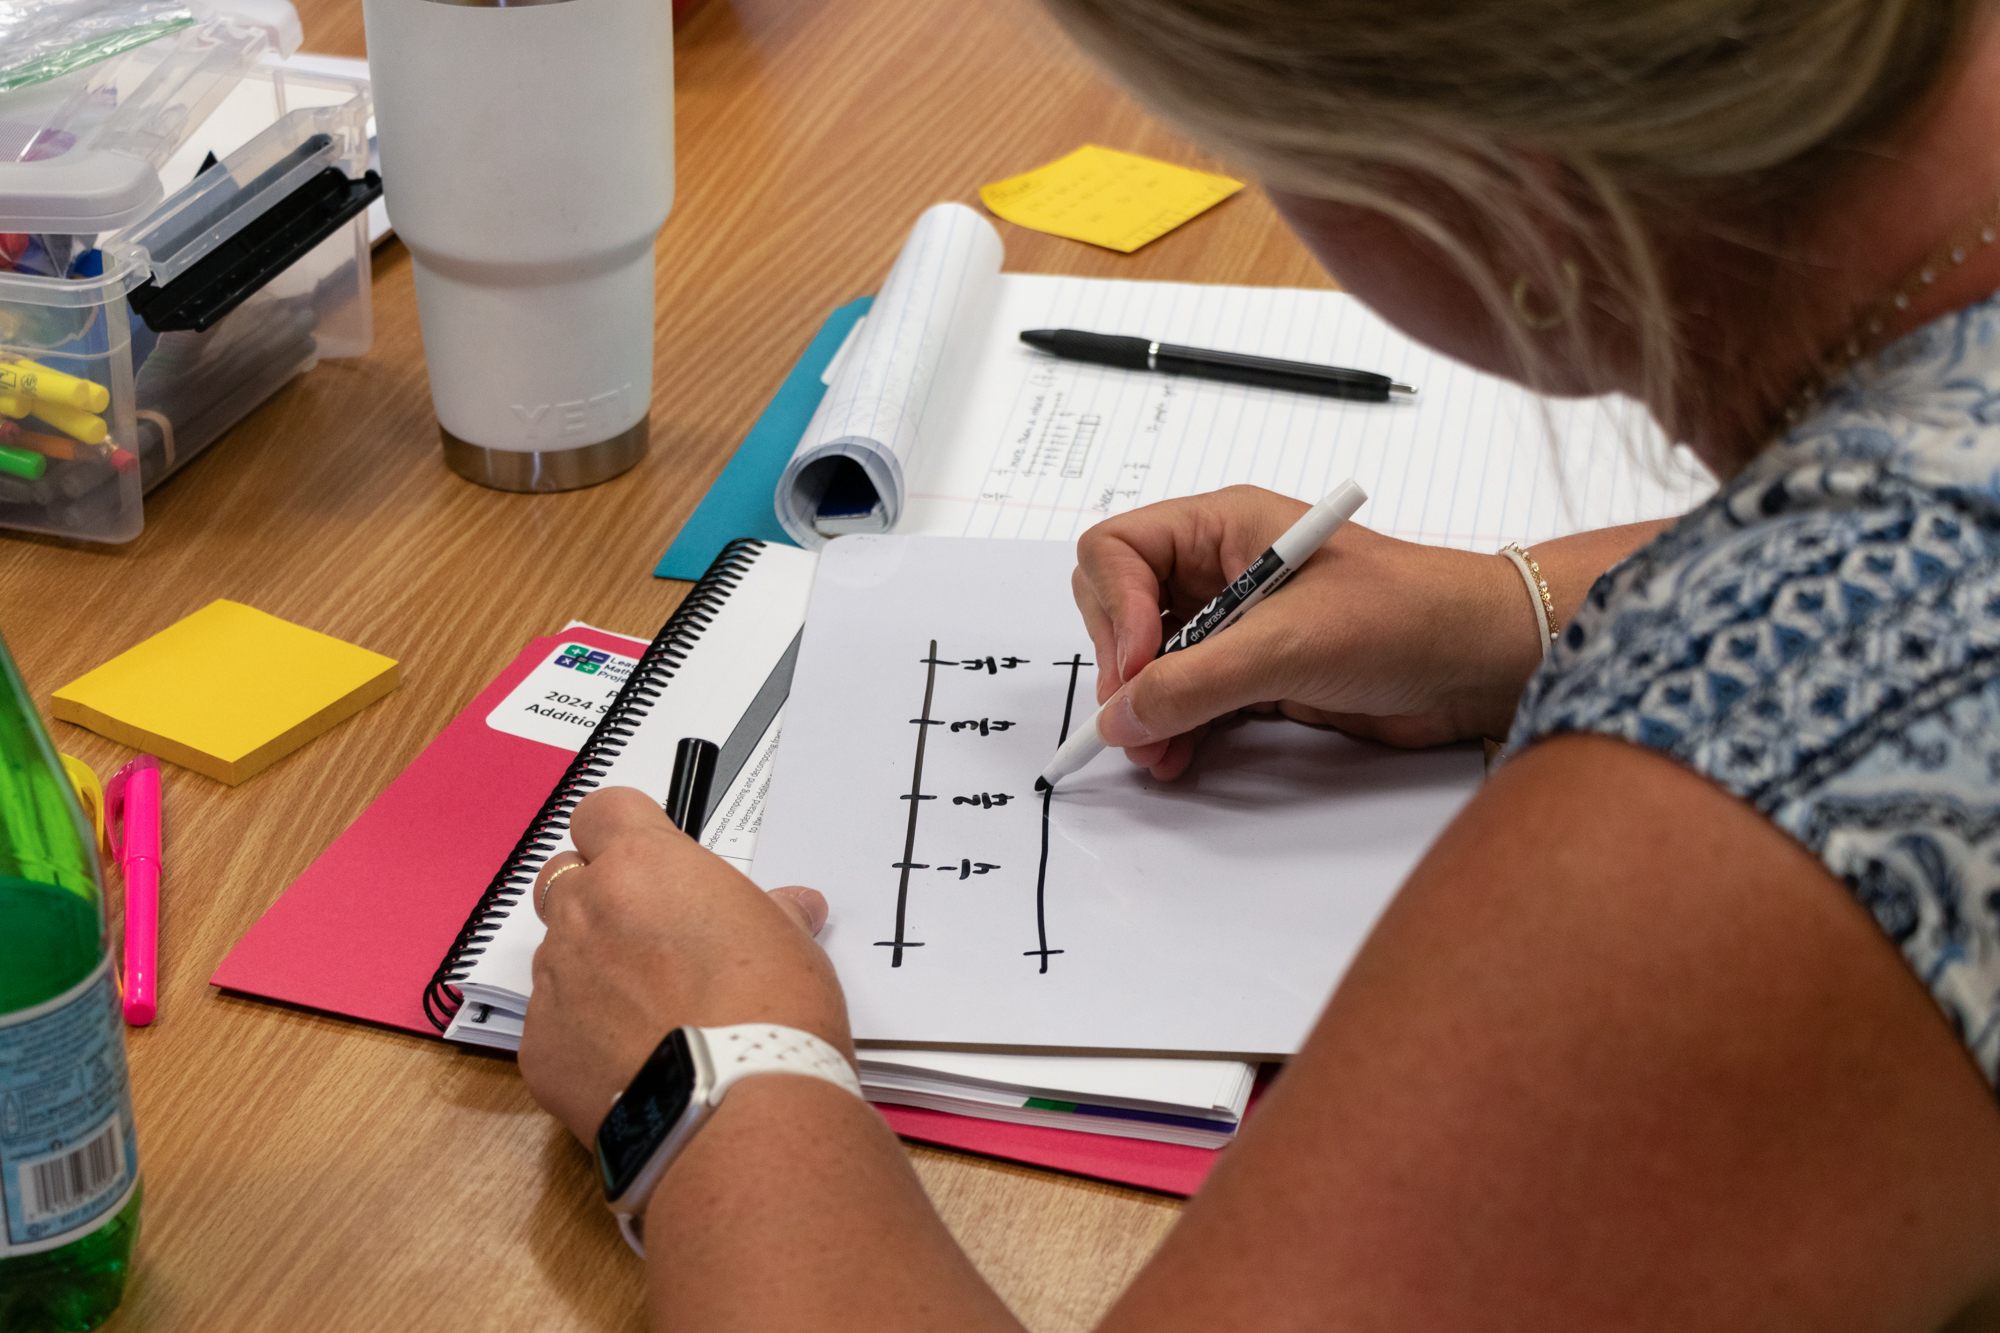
361	931
1170	1168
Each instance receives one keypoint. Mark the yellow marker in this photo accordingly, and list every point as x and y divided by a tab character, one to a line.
89	792
72	421
1117	200
52	386
15	404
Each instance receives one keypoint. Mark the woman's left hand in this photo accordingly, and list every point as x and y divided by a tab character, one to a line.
647	932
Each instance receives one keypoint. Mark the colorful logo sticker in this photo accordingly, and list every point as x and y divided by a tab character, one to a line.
584	661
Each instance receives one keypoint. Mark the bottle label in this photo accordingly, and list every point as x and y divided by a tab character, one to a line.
68	1151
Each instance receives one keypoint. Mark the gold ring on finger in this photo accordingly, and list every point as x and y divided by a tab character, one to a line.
542	906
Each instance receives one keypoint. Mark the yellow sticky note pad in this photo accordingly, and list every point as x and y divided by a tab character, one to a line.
228	691
1117	200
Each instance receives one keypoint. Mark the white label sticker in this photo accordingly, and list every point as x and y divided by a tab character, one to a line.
560	701
67	1152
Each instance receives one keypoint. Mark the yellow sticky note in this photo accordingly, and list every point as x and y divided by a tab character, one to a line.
1117	200
228	691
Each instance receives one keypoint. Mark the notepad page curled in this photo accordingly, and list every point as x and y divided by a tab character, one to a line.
945	277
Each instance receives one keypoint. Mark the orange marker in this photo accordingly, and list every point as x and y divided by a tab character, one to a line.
55	446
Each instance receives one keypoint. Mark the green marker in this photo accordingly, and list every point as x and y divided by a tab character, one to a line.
22	462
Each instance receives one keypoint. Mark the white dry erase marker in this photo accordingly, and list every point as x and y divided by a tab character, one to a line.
1267	574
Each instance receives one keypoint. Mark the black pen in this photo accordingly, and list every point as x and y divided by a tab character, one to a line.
1264	372
687	790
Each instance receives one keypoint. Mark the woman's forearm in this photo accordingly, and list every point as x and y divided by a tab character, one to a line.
794	1207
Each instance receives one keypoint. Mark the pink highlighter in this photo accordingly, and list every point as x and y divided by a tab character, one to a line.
132	806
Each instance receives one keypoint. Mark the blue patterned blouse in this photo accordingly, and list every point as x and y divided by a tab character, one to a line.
1822	639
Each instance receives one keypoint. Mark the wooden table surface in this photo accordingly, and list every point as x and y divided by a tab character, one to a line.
303	1172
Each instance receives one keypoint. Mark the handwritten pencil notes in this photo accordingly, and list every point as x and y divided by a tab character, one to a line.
966	432
1209	916
227	691
1117	200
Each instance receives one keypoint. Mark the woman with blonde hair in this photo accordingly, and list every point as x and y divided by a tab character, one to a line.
1692	1018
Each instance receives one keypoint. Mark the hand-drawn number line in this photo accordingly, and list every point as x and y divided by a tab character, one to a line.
1075	664
923	723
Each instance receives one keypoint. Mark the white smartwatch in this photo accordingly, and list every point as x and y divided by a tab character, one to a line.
676	1089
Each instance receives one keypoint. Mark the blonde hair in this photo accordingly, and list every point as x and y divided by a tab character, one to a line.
1620	122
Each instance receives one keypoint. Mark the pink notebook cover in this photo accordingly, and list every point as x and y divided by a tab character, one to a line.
1171	1168
363	929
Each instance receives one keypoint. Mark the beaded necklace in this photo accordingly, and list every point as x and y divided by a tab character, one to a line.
1864	336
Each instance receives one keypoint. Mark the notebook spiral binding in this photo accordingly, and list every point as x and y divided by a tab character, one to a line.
656	668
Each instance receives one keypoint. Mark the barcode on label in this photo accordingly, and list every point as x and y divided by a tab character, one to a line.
52	1186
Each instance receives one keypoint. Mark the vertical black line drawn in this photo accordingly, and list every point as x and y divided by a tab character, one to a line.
923	723
1075	664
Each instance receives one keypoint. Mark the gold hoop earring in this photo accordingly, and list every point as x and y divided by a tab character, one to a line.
1541	323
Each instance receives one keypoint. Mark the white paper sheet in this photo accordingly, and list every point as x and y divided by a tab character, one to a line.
1207	916
1015	1111
967	432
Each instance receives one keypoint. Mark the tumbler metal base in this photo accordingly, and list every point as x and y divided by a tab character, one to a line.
546	470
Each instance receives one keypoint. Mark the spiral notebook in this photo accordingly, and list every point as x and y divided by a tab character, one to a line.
719	669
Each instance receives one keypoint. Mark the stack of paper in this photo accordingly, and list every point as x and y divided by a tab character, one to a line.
1198	1103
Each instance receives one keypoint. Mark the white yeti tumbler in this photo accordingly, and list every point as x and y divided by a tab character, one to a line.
527	161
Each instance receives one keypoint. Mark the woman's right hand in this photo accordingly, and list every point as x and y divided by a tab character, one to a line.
1412	645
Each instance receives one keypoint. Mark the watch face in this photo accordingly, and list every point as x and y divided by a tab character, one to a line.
645	1114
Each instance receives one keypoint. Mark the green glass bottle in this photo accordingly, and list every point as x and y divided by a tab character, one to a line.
69	1162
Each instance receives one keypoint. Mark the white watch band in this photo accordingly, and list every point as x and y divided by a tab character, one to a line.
744	1049
729	1055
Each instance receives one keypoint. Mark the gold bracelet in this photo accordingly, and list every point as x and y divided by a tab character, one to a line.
1538	592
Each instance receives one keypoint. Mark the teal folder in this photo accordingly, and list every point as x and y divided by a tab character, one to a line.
742	503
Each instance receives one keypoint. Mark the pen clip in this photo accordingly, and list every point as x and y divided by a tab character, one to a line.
114	811
114	805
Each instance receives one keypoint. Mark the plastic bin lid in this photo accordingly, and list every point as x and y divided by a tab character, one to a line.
79	193
76	190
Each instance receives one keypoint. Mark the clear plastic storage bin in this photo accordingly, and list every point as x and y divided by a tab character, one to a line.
171	329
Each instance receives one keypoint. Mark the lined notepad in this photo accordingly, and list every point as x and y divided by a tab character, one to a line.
964	431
